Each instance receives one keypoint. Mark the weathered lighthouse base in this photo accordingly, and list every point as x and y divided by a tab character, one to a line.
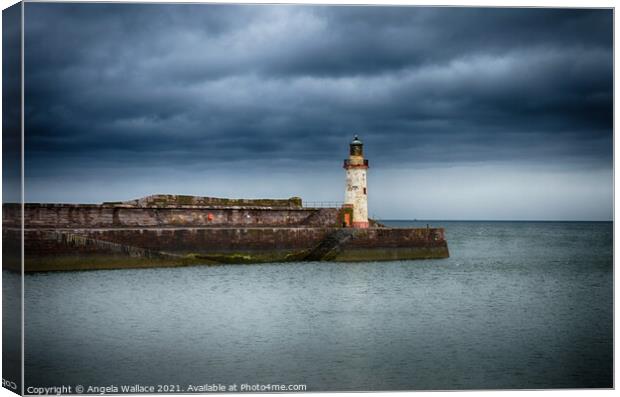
89	249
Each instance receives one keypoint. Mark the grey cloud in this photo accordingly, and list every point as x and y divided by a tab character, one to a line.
120	86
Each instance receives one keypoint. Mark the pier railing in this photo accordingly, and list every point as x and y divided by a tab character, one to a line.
322	204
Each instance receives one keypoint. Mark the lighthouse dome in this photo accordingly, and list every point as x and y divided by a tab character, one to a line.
356	147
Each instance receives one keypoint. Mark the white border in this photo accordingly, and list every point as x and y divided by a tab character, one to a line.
464	3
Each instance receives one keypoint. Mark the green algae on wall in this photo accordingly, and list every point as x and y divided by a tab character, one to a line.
109	262
387	254
105	262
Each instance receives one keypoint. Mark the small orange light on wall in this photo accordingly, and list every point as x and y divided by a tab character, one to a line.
347	219
210	217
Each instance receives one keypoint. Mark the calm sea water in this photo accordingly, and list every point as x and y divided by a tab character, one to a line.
517	305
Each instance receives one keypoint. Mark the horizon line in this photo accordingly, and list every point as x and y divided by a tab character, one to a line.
489	220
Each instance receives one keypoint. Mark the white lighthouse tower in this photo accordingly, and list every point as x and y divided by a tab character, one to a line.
356	192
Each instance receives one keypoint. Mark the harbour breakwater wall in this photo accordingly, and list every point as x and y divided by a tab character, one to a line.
168	231
76	249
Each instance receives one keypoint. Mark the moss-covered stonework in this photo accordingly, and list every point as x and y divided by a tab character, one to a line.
104	262
387	254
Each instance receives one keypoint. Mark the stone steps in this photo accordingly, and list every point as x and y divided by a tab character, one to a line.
330	246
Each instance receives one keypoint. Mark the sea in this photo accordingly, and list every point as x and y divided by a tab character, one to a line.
517	305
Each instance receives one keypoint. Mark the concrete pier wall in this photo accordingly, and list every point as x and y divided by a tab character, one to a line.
76	249
182	230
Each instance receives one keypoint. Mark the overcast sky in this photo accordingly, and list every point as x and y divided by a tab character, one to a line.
466	113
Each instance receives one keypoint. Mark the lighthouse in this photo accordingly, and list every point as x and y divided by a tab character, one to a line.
356	191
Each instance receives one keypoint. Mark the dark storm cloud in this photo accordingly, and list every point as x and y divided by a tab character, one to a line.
11	104
111	85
